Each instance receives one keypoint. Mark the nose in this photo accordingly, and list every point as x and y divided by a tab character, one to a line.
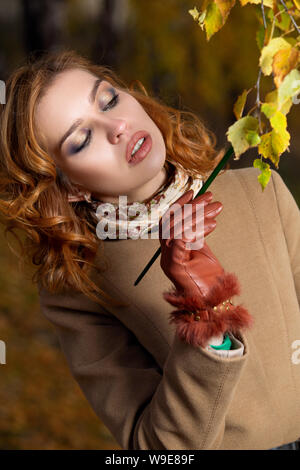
115	128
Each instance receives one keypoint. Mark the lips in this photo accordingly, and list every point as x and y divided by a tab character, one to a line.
130	146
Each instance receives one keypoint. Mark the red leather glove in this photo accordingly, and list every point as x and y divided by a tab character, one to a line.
201	285
191	271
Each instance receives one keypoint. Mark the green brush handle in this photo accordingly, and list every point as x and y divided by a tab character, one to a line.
209	180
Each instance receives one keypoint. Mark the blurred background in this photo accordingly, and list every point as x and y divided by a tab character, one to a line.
158	43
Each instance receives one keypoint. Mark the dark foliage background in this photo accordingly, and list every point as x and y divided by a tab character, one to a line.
158	43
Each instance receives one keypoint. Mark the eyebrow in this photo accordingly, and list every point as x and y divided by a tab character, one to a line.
92	97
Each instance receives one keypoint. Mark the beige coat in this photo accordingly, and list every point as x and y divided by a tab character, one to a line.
153	391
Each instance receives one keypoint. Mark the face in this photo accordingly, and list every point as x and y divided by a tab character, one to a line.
93	155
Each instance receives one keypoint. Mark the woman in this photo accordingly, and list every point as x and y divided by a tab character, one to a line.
203	375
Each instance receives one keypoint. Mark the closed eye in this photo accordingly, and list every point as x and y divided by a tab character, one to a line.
112	103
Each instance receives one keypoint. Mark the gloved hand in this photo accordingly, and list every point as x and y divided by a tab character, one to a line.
203	290
192	271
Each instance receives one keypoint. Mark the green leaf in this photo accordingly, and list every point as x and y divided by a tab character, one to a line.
291	41
265	174
260	37
253	138
269	109
283	22
239	131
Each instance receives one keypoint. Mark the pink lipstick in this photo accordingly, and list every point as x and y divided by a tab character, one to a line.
144	149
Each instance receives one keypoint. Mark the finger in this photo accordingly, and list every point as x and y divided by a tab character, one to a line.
191	231
213	209
179	251
196	243
175	215
193	221
184	199
180	248
188	197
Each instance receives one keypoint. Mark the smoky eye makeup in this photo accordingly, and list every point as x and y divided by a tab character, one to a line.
105	96
108	99
79	141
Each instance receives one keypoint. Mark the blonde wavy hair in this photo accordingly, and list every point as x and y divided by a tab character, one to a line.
60	236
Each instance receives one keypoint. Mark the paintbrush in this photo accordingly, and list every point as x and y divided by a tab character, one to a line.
204	187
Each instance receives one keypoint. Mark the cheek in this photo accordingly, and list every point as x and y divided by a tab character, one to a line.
98	164
159	141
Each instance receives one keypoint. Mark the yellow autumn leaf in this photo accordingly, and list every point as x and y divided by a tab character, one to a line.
273	144
239	105
272	97
205	4
268	52
267	3
225	7
280	141
213	20
278	121
297	3
289	87
284	61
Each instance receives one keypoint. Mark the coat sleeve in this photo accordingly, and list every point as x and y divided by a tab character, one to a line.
183	406
290	218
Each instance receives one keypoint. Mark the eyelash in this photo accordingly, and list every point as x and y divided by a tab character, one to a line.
112	103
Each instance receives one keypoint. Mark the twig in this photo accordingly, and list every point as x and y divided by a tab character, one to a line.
258	100
287	32
263	13
252	109
273	26
291	16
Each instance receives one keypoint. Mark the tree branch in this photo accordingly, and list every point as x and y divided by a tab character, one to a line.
258	100
263	13
291	16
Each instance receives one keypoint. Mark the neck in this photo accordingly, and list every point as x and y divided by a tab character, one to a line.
149	189
143	194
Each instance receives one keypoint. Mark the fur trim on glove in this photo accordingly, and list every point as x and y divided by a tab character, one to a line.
198	319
